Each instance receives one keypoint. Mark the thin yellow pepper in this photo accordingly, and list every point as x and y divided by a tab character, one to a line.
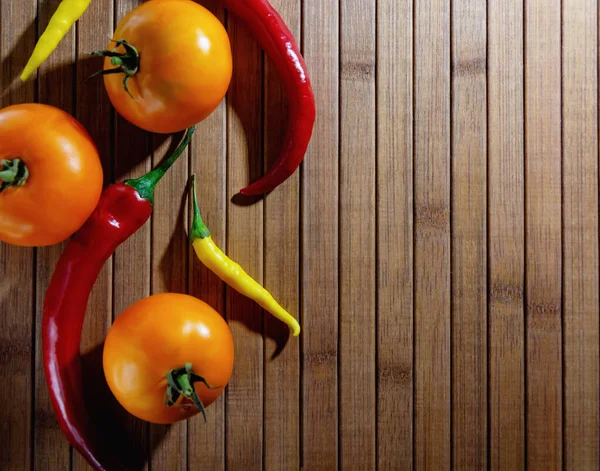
67	13
231	273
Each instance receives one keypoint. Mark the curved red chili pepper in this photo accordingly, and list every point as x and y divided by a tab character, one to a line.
123	208
278	42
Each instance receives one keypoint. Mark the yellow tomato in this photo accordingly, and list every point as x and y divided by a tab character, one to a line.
158	336
51	176
183	70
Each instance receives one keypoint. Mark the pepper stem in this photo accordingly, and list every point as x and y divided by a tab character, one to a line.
12	173
181	383
127	62
199	229
145	184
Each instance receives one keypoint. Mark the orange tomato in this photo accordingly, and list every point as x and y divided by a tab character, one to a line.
64	179
160	334
184	70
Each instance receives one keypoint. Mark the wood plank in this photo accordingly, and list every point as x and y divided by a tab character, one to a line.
93	29
132	259
281	276
543	234
170	251
580	229
469	235
206	441
395	235
244	429
357	244
56	88
17	274
506	235
320	245
432	234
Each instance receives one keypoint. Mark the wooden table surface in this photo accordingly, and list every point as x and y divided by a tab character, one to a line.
439	243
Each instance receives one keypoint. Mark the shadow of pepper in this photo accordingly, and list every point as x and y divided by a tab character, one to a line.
250	315
110	420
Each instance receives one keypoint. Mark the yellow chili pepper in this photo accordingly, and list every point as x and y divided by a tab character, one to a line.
67	13
231	273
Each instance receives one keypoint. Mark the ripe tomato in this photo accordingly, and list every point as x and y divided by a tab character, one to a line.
55	171
184	66
158	335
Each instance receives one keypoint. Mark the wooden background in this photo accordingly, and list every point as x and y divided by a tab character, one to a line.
439	243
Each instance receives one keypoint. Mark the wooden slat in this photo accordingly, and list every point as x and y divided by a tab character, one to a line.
170	251
543	233
132	272
469	235
395	234
244	429
281	277
320	243
55	85
93	30
206	441
17	39
432	234
506	235
357	244
580	229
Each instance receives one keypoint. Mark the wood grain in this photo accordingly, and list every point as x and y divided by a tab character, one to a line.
17	293
206	441
394	235
506	235
469	239
320	245
543	234
432	235
56	78
580	228
281	276
439	242
170	253
245	410
357	244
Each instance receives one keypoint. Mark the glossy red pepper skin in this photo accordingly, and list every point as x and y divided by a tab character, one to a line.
275	38
123	208
120	212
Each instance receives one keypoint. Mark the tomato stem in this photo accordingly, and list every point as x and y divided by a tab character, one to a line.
13	172
181	384
127	62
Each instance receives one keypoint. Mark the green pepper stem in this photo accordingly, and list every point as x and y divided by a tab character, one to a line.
180	383
13	173
146	184
199	229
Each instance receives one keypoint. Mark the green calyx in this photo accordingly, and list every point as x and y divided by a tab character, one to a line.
146	184
199	229
180	383
13	172
127	62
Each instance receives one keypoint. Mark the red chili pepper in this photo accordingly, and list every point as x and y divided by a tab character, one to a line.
123	208
278	42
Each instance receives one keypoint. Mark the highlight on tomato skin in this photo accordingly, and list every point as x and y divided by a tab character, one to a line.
168	66
50	175
162	350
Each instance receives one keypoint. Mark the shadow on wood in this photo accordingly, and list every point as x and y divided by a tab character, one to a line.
110	419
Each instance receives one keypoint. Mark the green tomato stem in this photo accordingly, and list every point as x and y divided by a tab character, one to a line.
180	383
